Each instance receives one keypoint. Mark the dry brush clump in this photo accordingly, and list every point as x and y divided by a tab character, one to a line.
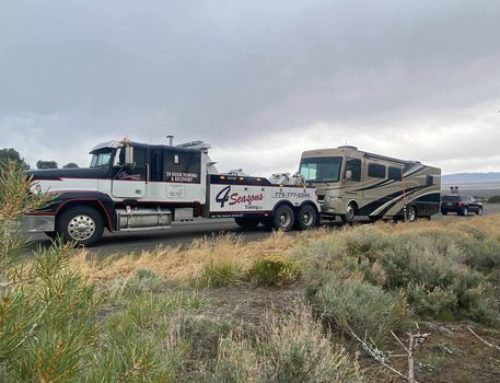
293	349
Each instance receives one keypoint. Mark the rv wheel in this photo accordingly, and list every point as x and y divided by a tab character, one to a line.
350	213
307	217
283	218
411	214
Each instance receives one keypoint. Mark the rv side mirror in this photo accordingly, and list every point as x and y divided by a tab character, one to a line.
129	155
348	174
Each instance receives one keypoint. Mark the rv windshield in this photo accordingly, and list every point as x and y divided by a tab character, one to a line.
321	169
101	158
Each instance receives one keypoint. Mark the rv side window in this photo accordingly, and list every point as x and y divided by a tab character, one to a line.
429	180
395	174
376	171
354	165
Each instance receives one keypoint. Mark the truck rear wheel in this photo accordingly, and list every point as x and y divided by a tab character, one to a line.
283	218
246	223
307	217
82	225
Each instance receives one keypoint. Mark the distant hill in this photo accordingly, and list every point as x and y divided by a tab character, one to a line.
471	178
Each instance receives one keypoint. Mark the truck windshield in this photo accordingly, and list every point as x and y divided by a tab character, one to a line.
321	169
101	158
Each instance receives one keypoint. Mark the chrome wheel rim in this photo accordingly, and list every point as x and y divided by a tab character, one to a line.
81	227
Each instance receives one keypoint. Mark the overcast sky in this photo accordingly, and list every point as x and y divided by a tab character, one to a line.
259	80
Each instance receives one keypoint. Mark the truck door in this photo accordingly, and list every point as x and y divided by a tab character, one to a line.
129	182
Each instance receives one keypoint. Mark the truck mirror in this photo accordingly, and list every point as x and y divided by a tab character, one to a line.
129	155
348	174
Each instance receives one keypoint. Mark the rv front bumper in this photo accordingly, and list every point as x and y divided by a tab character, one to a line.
38	223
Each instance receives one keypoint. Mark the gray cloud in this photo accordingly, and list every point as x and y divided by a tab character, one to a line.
415	79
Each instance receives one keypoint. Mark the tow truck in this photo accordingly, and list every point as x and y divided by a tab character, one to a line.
131	186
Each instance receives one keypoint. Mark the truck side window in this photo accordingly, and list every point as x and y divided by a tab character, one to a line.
182	166
156	165
138	170
354	165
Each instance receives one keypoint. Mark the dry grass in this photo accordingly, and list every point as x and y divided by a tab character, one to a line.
184	264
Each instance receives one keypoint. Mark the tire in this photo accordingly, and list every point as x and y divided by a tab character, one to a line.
82	225
283	218
247	223
479	211
350	214
411	213
444	212
307	217
464	212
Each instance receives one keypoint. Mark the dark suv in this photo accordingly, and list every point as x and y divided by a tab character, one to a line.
462	205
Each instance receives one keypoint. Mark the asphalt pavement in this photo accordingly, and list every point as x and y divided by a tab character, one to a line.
183	233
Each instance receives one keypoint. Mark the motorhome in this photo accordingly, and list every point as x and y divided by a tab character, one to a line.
351	183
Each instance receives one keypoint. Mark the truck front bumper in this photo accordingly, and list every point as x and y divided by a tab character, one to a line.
38	223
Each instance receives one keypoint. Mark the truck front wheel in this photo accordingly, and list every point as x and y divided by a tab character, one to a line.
82	225
283	218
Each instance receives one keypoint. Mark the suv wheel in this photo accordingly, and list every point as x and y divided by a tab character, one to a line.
464	211
479	211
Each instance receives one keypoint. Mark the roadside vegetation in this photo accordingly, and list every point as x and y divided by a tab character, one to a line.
321	306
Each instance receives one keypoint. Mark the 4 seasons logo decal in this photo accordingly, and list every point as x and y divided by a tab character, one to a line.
224	197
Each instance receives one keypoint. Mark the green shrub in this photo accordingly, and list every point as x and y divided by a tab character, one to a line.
431	269
418	261
59	307
219	274
483	254
143	341
273	271
298	351
144	280
353	304
236	362
294	350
